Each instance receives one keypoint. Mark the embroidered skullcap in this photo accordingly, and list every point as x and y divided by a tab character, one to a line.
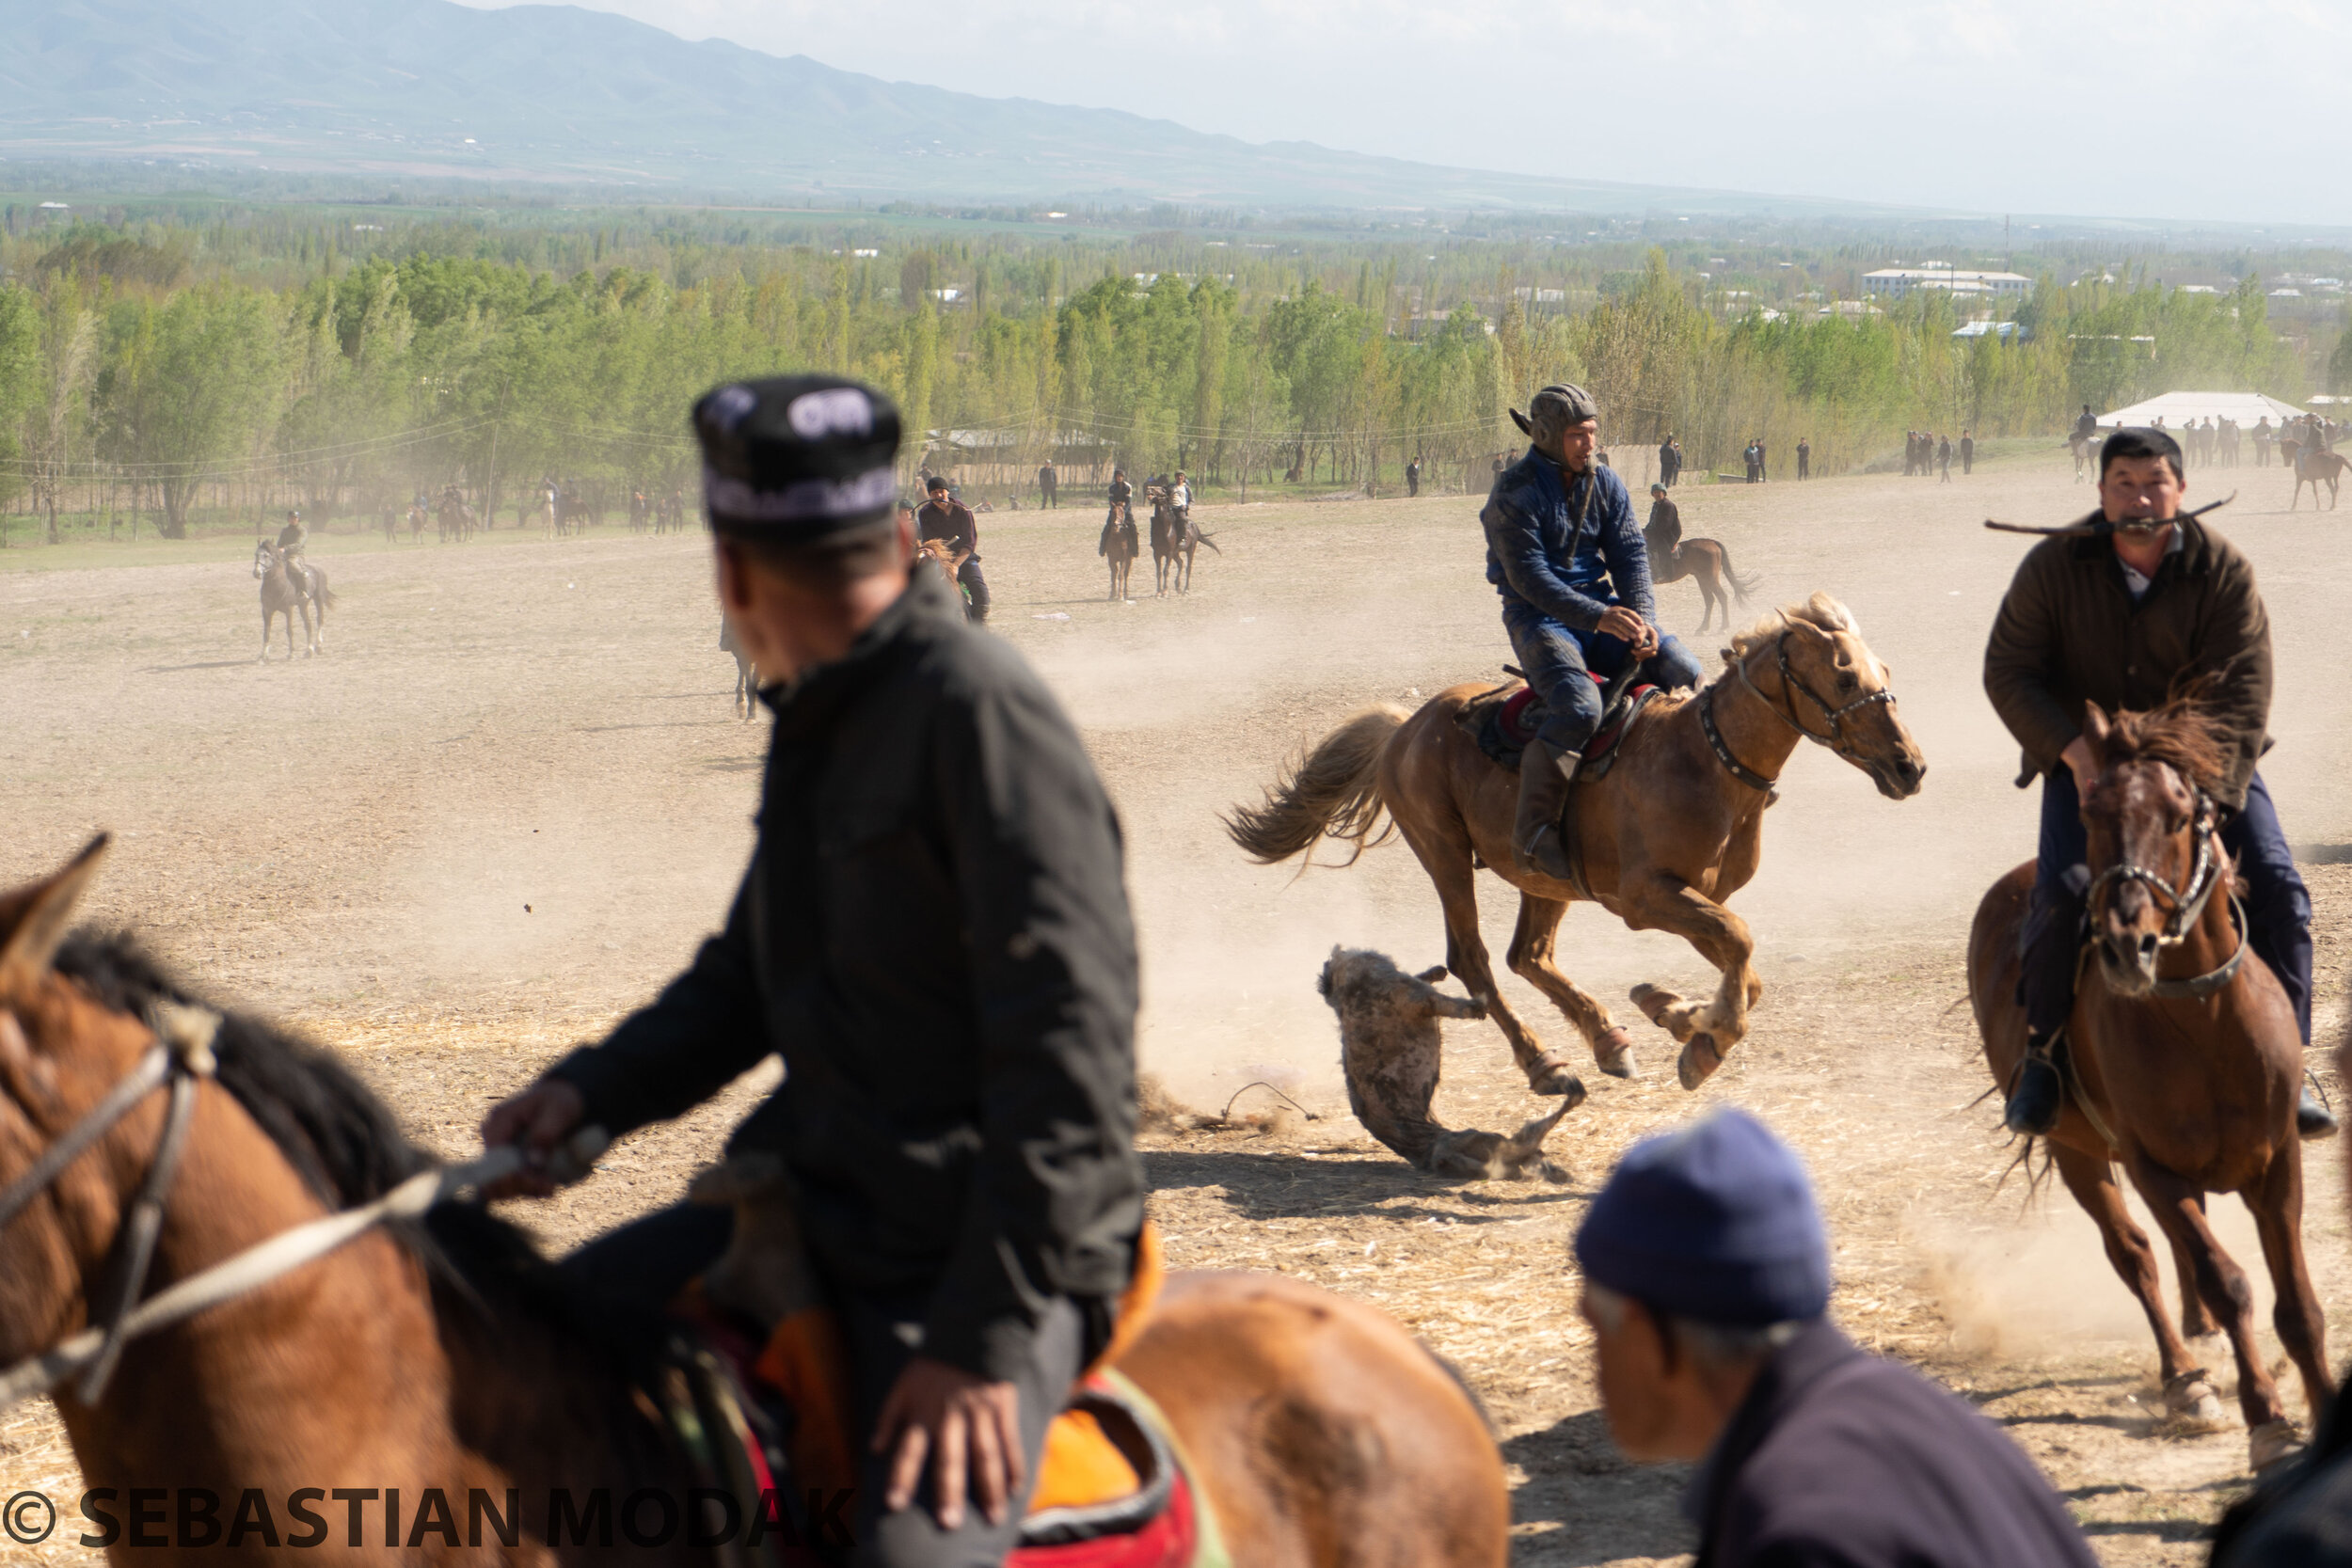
793	458
1715	1222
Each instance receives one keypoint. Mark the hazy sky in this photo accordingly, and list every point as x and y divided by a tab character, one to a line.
2129	108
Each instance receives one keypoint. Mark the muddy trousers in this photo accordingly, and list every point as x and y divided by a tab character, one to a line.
1560	665
647	1262
2277	907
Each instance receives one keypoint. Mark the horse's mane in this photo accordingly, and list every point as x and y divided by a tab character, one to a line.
1820	610
342	1141
2185	735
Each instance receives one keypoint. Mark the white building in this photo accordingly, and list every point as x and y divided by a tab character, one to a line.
1895	282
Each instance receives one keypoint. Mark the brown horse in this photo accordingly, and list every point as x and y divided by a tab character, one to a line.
1119	548
1708	563
2184	1063
2316	469
1674	829
452	1356
285	593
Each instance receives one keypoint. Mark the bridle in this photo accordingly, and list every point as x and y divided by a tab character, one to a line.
181	1057
2187	903
1792	686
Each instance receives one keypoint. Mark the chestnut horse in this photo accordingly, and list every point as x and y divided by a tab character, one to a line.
284	592
2183	1063
1118	546
450	1355
1706	561
1670	831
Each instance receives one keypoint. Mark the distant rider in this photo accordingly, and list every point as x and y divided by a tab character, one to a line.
1122	496
1179	503
943	516
1573	572
291	540
1662	534
2121	619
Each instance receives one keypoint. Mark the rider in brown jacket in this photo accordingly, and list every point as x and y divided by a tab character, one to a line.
2122	618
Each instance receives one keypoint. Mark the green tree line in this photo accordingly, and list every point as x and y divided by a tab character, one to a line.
142	373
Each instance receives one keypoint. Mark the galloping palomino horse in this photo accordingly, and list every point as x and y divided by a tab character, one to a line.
1673	830
1708	563
287	593
446	1357
1119	548
2183	1063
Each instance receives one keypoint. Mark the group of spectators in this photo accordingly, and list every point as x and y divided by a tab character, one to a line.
1925	452
2216	443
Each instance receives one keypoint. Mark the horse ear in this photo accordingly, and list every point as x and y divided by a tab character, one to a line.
1520	419
34	920
2096	729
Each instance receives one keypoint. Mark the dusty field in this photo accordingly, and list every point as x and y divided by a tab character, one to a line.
510	799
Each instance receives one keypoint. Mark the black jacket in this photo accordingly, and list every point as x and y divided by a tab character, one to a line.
1841	1460
950	520
934	934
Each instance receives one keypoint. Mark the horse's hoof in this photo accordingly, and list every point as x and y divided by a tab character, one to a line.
2193	1404
1698	1061
2272	1443
1552	1076
1613	1053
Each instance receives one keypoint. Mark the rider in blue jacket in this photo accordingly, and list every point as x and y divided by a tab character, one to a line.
1565	553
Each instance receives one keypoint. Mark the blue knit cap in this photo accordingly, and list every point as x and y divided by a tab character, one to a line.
1714	1222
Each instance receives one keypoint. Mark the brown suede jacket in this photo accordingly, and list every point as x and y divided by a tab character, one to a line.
2069	632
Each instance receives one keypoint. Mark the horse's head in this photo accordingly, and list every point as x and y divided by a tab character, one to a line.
2154	855
61	1053
264	559
1836	690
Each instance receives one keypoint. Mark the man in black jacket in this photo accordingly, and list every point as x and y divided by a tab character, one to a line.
934	934
1705	1280
943	516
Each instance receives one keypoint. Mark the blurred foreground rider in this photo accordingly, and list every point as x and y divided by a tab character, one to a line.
934	934
1563	550
1705	1283
2122	619
943	516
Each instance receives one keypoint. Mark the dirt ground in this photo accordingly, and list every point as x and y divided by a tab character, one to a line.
510	796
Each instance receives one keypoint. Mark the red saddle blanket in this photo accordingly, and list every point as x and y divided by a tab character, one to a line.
1505	720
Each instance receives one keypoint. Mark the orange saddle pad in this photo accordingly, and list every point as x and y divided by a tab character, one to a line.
806	1362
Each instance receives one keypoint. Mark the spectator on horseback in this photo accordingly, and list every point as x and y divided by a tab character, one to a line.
2126	617
1706	1280
1573	572
943	516
956	1145
1122	496
1662	534
1180	502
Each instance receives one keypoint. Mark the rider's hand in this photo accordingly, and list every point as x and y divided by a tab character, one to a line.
1629	628
966	1426
539	1118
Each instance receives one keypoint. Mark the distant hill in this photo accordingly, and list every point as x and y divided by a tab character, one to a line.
430	88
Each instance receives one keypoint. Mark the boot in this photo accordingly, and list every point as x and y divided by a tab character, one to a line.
2313	1121
1537	837
2034	1094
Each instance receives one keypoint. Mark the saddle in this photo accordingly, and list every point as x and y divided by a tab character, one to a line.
1114	1489
1504	721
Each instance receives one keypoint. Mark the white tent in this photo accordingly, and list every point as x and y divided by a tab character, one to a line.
2179	408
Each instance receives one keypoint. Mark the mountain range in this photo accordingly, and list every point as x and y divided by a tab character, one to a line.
428	89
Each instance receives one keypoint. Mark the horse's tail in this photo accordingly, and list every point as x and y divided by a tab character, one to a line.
1208	539
1742	586
326	596
1333	791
